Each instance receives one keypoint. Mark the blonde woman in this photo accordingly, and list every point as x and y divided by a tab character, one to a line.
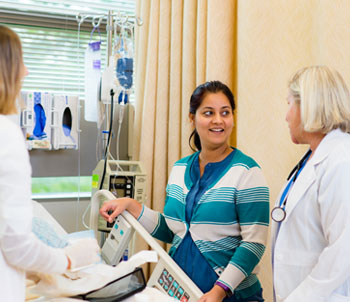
20	250
310	228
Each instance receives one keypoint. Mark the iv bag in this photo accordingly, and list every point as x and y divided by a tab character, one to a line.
92	80
123	64
124	71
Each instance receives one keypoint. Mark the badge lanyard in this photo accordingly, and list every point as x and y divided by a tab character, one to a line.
278	214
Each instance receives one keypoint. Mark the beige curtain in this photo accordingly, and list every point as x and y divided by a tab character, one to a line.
177	48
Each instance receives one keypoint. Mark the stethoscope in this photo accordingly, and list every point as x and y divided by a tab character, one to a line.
278	213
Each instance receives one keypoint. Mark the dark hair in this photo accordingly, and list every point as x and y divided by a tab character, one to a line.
196	100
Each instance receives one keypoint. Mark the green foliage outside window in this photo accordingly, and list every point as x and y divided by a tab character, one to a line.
44	185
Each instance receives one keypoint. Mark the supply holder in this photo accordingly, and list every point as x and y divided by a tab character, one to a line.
118	289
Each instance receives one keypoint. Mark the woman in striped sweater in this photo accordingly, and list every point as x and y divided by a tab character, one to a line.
216	211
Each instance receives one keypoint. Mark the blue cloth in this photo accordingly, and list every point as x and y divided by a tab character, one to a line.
47	234
187	255
40	121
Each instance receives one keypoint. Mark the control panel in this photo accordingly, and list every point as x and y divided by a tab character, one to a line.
171	280
166	276
122	186
117	241
172	286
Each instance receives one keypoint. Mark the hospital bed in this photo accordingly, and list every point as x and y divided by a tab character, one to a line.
167	281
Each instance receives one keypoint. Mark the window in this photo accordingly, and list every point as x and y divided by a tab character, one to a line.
53	187
53	49
53	45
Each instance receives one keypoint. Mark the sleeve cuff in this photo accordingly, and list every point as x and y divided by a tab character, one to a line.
148	218
231	277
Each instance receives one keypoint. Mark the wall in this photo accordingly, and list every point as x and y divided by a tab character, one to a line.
275	38
68	212
83	161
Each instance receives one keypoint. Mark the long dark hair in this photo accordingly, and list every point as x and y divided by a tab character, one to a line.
196	100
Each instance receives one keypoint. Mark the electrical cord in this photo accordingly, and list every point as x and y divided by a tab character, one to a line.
108	140
105	157
120	120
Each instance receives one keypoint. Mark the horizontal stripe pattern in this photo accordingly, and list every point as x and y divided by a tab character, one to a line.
182	164
162	231
235	206
255	223
176	241
214	222
247	256
257	194
148	218
240	165
257	249
219	195
228	243
247	282
176	192
207	232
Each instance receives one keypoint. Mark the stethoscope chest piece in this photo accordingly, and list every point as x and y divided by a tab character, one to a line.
278	214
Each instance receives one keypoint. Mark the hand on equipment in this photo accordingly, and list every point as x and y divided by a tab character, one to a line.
82	252
117	206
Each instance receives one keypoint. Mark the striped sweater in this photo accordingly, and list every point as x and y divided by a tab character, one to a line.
229	225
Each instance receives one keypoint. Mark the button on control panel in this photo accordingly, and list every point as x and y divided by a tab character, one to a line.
172	286
122	186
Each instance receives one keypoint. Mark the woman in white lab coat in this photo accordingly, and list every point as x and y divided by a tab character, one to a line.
311	218
20	250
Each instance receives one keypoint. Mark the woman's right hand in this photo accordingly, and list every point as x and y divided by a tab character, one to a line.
82	252
119	205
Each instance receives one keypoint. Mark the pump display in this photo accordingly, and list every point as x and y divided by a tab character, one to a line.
123	179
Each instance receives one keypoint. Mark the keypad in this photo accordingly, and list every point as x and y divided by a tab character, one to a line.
172	286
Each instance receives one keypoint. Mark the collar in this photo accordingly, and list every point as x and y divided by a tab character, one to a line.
327	145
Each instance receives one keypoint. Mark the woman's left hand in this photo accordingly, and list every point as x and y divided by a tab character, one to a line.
216	294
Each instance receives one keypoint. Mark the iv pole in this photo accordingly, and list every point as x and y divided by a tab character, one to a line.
111	18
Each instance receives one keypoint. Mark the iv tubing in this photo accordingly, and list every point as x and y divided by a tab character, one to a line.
108	140
121	116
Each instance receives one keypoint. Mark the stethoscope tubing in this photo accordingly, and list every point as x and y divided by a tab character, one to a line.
278	213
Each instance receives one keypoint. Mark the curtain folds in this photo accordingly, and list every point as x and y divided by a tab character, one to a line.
175	52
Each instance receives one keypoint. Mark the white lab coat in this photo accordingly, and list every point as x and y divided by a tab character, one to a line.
311	254
20	250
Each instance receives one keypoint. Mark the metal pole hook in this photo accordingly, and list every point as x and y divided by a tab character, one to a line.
98	23
139	21
80	18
